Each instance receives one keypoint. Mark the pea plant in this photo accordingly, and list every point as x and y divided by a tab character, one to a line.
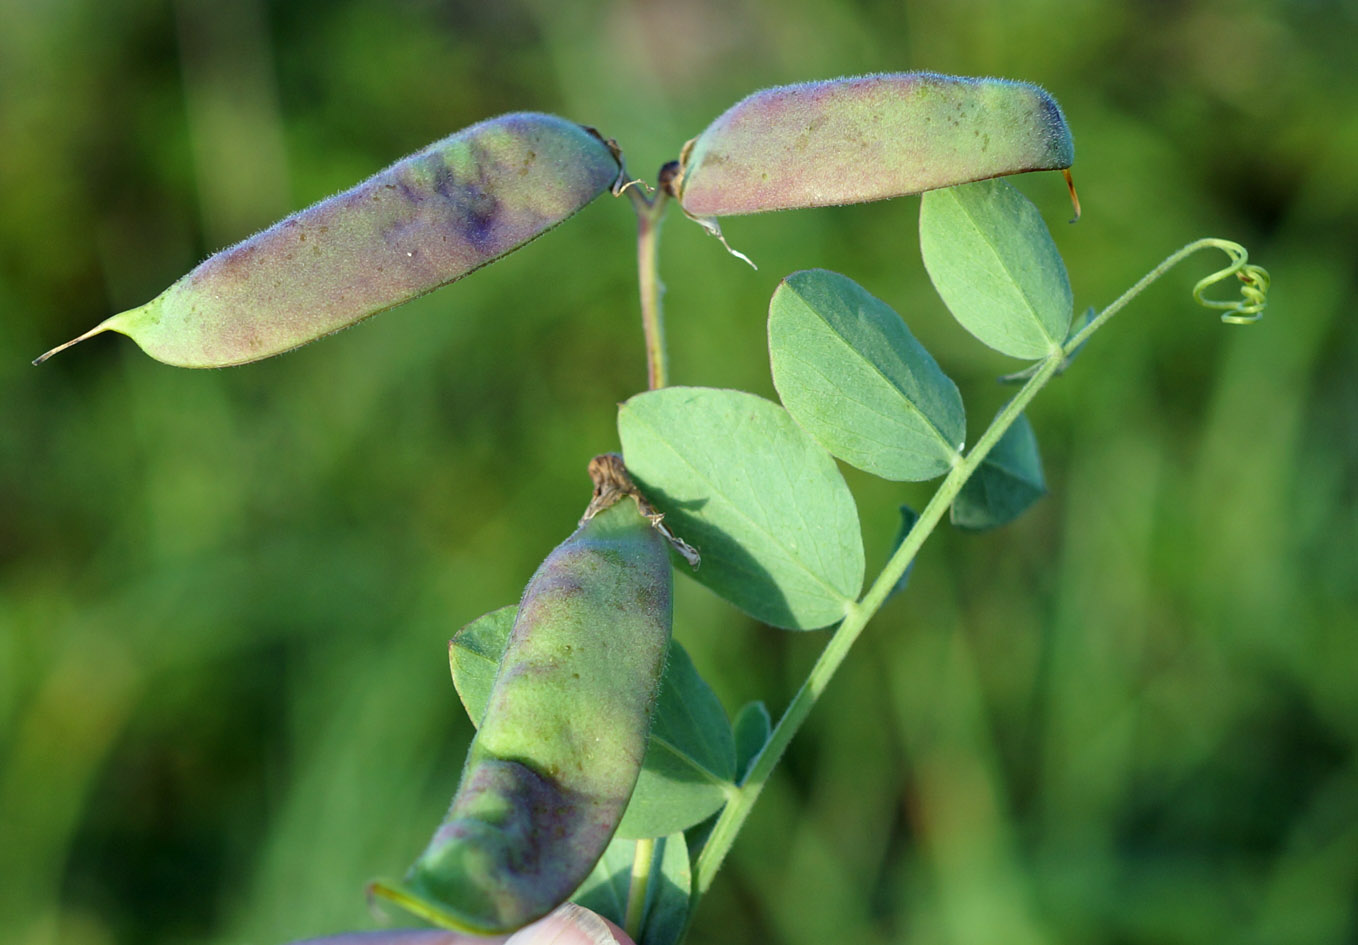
604	770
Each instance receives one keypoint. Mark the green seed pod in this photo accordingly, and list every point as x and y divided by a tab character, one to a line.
553	765
425	221
867	138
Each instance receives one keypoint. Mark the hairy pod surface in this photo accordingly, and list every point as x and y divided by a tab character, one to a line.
868	138
554	762
425	221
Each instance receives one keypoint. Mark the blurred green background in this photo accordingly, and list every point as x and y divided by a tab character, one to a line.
1131	717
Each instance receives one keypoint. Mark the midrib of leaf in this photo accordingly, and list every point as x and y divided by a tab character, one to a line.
708	775
888	446
1005	269
876	369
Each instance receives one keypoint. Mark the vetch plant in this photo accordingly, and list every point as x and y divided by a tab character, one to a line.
604	770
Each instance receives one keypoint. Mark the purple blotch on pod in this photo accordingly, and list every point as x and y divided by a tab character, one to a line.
421	223
556	758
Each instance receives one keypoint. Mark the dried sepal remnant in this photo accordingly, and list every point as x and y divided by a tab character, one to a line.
554	762
612	483
868	138
421	223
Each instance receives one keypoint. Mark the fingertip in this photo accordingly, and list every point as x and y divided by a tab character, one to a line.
403	937
571	925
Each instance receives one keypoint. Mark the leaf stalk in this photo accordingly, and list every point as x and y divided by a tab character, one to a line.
857	614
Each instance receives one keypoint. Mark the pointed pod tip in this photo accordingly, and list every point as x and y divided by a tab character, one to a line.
1074	197
97	329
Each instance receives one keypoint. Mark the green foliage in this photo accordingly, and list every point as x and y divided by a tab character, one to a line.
739	479
665	911
752	727
690	762
908	519
740	475
474	655
992	259
1006	484
209	726
852	375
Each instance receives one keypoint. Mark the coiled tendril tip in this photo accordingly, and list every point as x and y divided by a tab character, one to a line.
1249	308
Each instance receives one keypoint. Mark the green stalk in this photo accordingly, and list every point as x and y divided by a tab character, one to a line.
650	214
1241	312
732	817
636	891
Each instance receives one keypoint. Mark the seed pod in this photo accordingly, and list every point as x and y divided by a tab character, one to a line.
425	221
553	765
867	138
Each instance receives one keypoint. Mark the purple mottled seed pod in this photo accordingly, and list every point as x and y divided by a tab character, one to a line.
424	222
556	758
868	138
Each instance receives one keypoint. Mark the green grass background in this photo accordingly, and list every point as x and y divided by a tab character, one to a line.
1131	717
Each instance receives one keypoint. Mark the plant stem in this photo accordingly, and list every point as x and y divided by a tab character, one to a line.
650	214
636	890
733	816
1238	257
857	614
